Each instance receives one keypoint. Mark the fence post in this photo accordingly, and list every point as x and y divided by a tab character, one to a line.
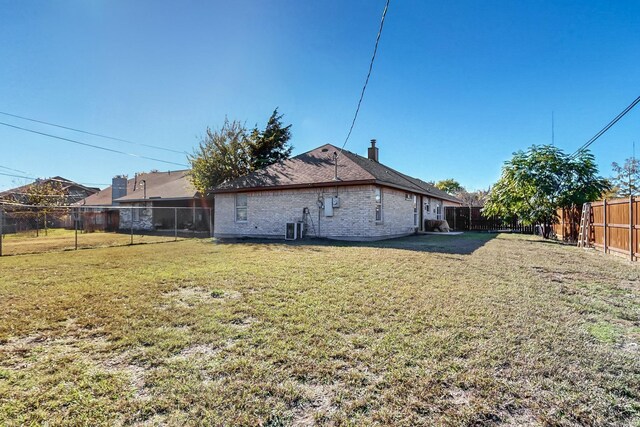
631	227
604	228
131	215
455	214
210	222
175	224
1	228
76	217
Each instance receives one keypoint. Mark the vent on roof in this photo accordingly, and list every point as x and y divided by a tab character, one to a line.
372	152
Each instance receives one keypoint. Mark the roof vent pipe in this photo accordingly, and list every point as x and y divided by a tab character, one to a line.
372	152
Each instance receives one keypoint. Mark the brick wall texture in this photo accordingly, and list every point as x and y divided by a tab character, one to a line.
269	211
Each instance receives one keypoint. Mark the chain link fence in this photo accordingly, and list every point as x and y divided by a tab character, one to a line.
36	229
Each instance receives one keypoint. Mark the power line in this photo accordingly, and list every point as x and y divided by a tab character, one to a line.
17	176
53	179
92	145
606	128
92	133
11	169
373	57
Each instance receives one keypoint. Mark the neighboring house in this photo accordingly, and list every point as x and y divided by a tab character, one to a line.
73	192
161	191
19	218
355	198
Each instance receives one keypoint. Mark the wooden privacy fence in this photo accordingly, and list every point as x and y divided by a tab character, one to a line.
472	219
568	225
615	227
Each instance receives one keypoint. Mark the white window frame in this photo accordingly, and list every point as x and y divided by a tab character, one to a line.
378	199
240	208
415	211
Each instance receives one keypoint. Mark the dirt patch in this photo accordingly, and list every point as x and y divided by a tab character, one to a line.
120	365
189	297
459	397
319	404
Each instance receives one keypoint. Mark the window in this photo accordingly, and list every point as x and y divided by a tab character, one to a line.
407	196
438	211
378	204
135	214
241	208
426	205
415	210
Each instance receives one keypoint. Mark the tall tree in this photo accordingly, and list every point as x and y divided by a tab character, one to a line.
450	186
626	178
223	154
270	145
536	182
44	195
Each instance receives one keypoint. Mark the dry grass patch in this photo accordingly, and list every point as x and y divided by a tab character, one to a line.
467	330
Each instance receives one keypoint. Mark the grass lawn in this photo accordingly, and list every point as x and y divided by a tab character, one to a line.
58	239
431	330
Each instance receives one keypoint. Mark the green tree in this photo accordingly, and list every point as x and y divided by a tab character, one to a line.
450	186
270	145
223	154
536	182
44	195
626	179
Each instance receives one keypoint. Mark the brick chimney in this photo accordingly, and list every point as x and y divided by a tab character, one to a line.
372	152
118	187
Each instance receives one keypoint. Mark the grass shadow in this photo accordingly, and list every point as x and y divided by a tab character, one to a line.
462	244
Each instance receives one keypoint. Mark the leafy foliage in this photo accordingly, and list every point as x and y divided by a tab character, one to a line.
627	178
223	154
231	151
536	182
45	193
272	144
473	198
450	186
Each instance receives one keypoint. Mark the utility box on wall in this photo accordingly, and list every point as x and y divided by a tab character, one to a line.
328	206
330	202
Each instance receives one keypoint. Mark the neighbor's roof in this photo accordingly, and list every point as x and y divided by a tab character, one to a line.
316	168
66	185
159	186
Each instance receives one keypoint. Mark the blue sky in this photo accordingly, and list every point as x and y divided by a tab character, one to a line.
456	87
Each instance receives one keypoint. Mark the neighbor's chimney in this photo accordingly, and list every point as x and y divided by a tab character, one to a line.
373	151
118	187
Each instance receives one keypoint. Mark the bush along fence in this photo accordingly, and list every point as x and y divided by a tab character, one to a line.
615	227
33	229
462	218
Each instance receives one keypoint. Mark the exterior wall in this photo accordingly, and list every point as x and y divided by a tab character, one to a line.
144	221
433	203
269	211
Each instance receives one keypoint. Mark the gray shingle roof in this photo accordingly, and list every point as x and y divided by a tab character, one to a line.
316	168
159	186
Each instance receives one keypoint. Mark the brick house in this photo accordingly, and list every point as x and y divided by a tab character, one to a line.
174	200
345	196
71	191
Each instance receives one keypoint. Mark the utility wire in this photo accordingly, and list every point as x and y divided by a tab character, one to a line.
91	133
604	129
92	145
11	169
17	176
373	57
53	179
